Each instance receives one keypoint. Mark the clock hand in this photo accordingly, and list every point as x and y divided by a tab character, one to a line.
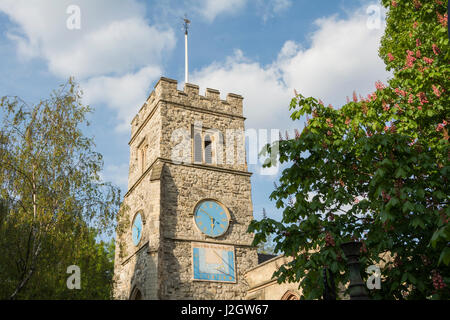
212	219
207	214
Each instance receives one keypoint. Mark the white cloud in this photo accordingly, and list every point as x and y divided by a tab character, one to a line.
116	54
210	9
270	8
261	87
125	94
118	47
342	57
116	174
281	5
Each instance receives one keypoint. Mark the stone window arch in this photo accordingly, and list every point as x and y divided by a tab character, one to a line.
142	151
290	295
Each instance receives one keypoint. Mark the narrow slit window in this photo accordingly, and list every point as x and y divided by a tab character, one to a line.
208	149
142	157
198	148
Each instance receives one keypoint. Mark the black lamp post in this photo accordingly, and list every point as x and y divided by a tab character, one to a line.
356	287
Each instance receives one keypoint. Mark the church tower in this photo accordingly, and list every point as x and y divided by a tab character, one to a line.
182	230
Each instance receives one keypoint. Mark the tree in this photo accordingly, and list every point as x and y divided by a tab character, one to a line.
267	246
375	170
50	183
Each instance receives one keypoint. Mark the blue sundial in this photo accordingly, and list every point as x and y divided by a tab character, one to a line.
137	229
211	218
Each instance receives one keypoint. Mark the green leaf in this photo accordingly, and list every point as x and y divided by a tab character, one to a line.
445	256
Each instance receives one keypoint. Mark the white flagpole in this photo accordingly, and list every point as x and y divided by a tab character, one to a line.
186	62
186	71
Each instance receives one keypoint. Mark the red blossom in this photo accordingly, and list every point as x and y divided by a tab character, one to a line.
394	3
418	43
436	49
436	91
379	85
355	98
422	98
372	96
442	19
409	59
330	125
441	126
428	60
390	57
438	282
400	92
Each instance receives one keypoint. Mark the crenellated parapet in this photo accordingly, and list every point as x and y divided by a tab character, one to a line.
166	90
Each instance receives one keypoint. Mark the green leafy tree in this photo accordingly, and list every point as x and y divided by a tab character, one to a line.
375	170
56	202
267	246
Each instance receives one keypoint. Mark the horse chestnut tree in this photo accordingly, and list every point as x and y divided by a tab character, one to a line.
375	170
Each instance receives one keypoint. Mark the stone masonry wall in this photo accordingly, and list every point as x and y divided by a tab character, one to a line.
161	265
150	134
139	264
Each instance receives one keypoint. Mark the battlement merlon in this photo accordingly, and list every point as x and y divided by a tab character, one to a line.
166	89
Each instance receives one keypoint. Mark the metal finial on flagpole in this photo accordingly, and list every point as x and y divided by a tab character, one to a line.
186	28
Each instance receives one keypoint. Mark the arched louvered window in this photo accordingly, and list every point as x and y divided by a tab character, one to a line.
289	295
198	148
136	294
208	149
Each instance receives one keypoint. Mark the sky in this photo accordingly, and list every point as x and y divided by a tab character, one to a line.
261	49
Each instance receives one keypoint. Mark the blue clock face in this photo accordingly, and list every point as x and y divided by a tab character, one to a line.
137	229
211	218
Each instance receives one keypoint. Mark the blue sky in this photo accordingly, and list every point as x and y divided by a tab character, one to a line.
261	49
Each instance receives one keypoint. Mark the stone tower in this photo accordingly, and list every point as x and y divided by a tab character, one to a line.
186	154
